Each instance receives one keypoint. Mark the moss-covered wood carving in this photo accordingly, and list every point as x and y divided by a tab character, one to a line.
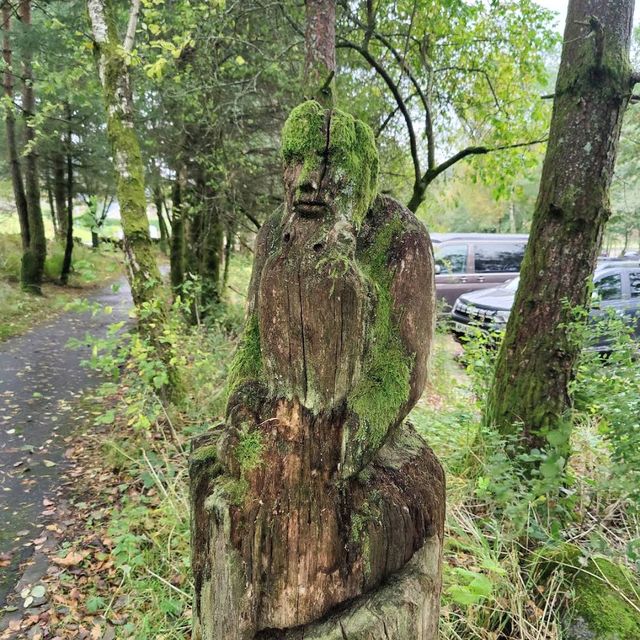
315	500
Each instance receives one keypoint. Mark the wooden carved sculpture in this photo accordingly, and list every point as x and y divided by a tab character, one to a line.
317	511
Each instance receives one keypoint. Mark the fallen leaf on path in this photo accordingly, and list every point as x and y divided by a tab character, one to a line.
73	557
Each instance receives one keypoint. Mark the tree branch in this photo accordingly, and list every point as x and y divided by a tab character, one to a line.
404	67
429	176
130	37
393	87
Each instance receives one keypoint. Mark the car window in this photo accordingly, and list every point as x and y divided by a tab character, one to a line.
451	258
609	287
634	283
498	257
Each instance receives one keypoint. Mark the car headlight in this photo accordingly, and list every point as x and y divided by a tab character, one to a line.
502	316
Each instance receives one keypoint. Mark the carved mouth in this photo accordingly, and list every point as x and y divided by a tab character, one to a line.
310	208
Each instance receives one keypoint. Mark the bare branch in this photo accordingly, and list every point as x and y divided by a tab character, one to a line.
474	151
393	87
404	67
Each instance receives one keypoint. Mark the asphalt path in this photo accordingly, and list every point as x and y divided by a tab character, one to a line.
41	384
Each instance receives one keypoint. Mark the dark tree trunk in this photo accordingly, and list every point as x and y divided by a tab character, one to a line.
10	123
320	52
317	511
59	191
177	257
68	245
52	210
536	362
33	258
228	247
205	246
162	225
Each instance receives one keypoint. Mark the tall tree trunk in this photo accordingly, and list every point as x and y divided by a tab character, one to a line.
177	257
320	52
228	247
212	247
143	273
530	391
10	123
316	511
52	209
513	223
68	247
142	269
33	258
162	225
59	191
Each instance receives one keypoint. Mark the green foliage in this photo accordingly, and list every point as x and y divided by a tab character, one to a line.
606	389
480	68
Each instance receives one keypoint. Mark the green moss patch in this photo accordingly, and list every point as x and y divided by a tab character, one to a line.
249	450
384	384
606	601
351	152
247	362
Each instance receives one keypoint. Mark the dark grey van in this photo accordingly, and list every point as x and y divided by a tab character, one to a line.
469	261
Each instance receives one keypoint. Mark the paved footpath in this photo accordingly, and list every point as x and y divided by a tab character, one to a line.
41	381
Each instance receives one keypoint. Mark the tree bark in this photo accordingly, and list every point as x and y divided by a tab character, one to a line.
59	190
320	51
68	246
162	225
536	362
33	258
317	511
52	209
10	124
143	273
177	257
142	269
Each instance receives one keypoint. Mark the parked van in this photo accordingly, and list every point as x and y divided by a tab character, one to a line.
469	261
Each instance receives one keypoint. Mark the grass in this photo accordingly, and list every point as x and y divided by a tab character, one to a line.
20	311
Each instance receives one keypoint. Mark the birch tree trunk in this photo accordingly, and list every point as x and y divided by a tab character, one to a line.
113	68
317	510
536	362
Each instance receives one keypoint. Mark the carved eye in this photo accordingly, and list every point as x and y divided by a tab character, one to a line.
286	237
318	246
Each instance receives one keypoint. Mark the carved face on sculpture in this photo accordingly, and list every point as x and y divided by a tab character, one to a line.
331	164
